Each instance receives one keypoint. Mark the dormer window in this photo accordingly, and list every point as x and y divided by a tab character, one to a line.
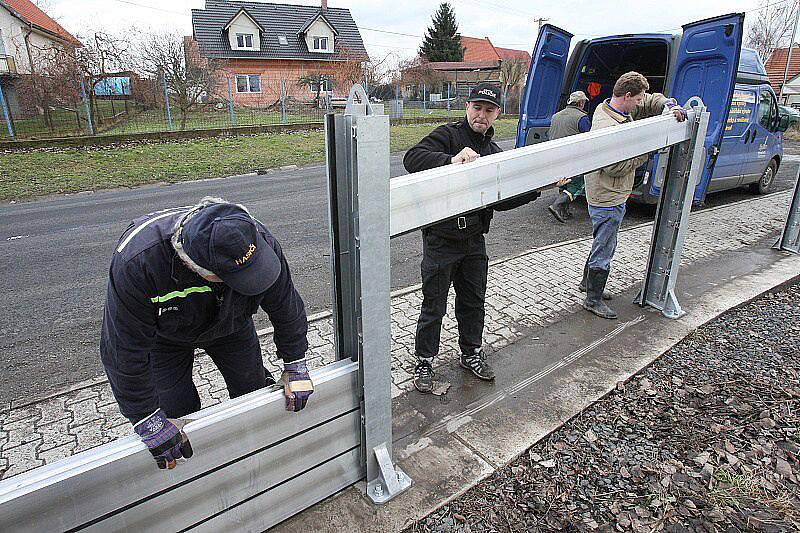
320	43
244	40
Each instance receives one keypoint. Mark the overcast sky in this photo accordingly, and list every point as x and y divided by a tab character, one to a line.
508	23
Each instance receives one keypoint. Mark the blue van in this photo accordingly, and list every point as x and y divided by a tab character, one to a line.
744	139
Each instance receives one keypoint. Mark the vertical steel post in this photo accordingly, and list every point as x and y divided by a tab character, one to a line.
789	240
505	91
357	146
327	98
86	105
448	99
424	101
6	114
230	104
166	103
686	164
283	102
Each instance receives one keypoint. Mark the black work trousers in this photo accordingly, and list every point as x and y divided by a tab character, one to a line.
464	264
237	356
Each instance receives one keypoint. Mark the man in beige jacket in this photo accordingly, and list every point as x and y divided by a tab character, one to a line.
608	189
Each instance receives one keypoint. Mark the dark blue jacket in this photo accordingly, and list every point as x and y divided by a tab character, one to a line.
152	296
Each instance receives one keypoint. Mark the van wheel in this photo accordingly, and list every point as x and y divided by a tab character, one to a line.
767	179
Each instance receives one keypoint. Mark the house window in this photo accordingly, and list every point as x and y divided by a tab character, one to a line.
282	40
2	44
244	40
319	85
320	43
248	83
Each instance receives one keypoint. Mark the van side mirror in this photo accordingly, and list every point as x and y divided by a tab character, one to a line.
784	122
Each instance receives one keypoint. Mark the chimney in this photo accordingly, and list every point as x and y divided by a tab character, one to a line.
324	6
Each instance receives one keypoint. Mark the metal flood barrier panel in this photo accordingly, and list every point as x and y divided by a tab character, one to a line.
255	464
789	240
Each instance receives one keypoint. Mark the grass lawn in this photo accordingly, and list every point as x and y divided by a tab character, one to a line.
26	175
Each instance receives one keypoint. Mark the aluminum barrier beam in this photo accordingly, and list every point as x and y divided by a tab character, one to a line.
423	198
686	165
789	240
254	465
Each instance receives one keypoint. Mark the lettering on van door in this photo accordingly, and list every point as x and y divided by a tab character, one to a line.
742	107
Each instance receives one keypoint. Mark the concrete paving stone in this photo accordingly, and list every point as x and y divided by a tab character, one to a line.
23	413
82	395
106	396
22	458
83	412
56	434
52	455
20	433
90	436
53	409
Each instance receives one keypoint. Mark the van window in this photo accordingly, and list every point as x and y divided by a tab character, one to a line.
767	110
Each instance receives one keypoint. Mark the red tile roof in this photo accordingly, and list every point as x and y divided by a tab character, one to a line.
29	13
776	65
479	49
507	54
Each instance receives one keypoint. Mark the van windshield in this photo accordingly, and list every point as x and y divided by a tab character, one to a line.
603	62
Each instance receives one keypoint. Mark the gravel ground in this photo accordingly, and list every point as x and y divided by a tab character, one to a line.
705	439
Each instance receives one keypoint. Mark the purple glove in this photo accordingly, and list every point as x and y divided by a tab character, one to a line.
670	103
164	439
297	385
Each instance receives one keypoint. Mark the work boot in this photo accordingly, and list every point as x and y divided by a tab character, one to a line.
560	207
582	286
595	283
423	376
476	363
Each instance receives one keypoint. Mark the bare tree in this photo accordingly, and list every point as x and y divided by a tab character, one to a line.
190	78
511	73
771	27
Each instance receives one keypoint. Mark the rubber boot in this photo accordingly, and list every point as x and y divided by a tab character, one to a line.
582	287
595	283
560	207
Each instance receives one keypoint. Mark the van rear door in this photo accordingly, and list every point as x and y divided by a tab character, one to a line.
705	66
543	88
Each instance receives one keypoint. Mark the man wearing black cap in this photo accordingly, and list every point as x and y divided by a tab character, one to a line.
454	251
189	278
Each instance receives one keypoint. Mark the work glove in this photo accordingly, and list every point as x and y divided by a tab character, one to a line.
671	106
164	438
297	385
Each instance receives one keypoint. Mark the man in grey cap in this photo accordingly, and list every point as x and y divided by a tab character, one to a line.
569	121
187	278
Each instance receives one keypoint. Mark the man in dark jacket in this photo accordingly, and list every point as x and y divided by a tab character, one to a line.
454	251
189	278
569	121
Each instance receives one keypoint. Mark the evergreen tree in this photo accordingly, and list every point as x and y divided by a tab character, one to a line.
442	41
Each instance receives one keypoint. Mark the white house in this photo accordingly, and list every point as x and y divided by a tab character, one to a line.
25	30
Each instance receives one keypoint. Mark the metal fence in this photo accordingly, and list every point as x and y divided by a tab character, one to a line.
154	106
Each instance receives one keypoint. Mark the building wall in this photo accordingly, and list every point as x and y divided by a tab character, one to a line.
14	41
271	72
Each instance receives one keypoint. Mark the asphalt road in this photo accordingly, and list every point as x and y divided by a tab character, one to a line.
54	256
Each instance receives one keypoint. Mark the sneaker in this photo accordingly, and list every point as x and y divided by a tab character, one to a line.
476	363
423	376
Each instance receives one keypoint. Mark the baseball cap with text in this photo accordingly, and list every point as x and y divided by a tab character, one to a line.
485	92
